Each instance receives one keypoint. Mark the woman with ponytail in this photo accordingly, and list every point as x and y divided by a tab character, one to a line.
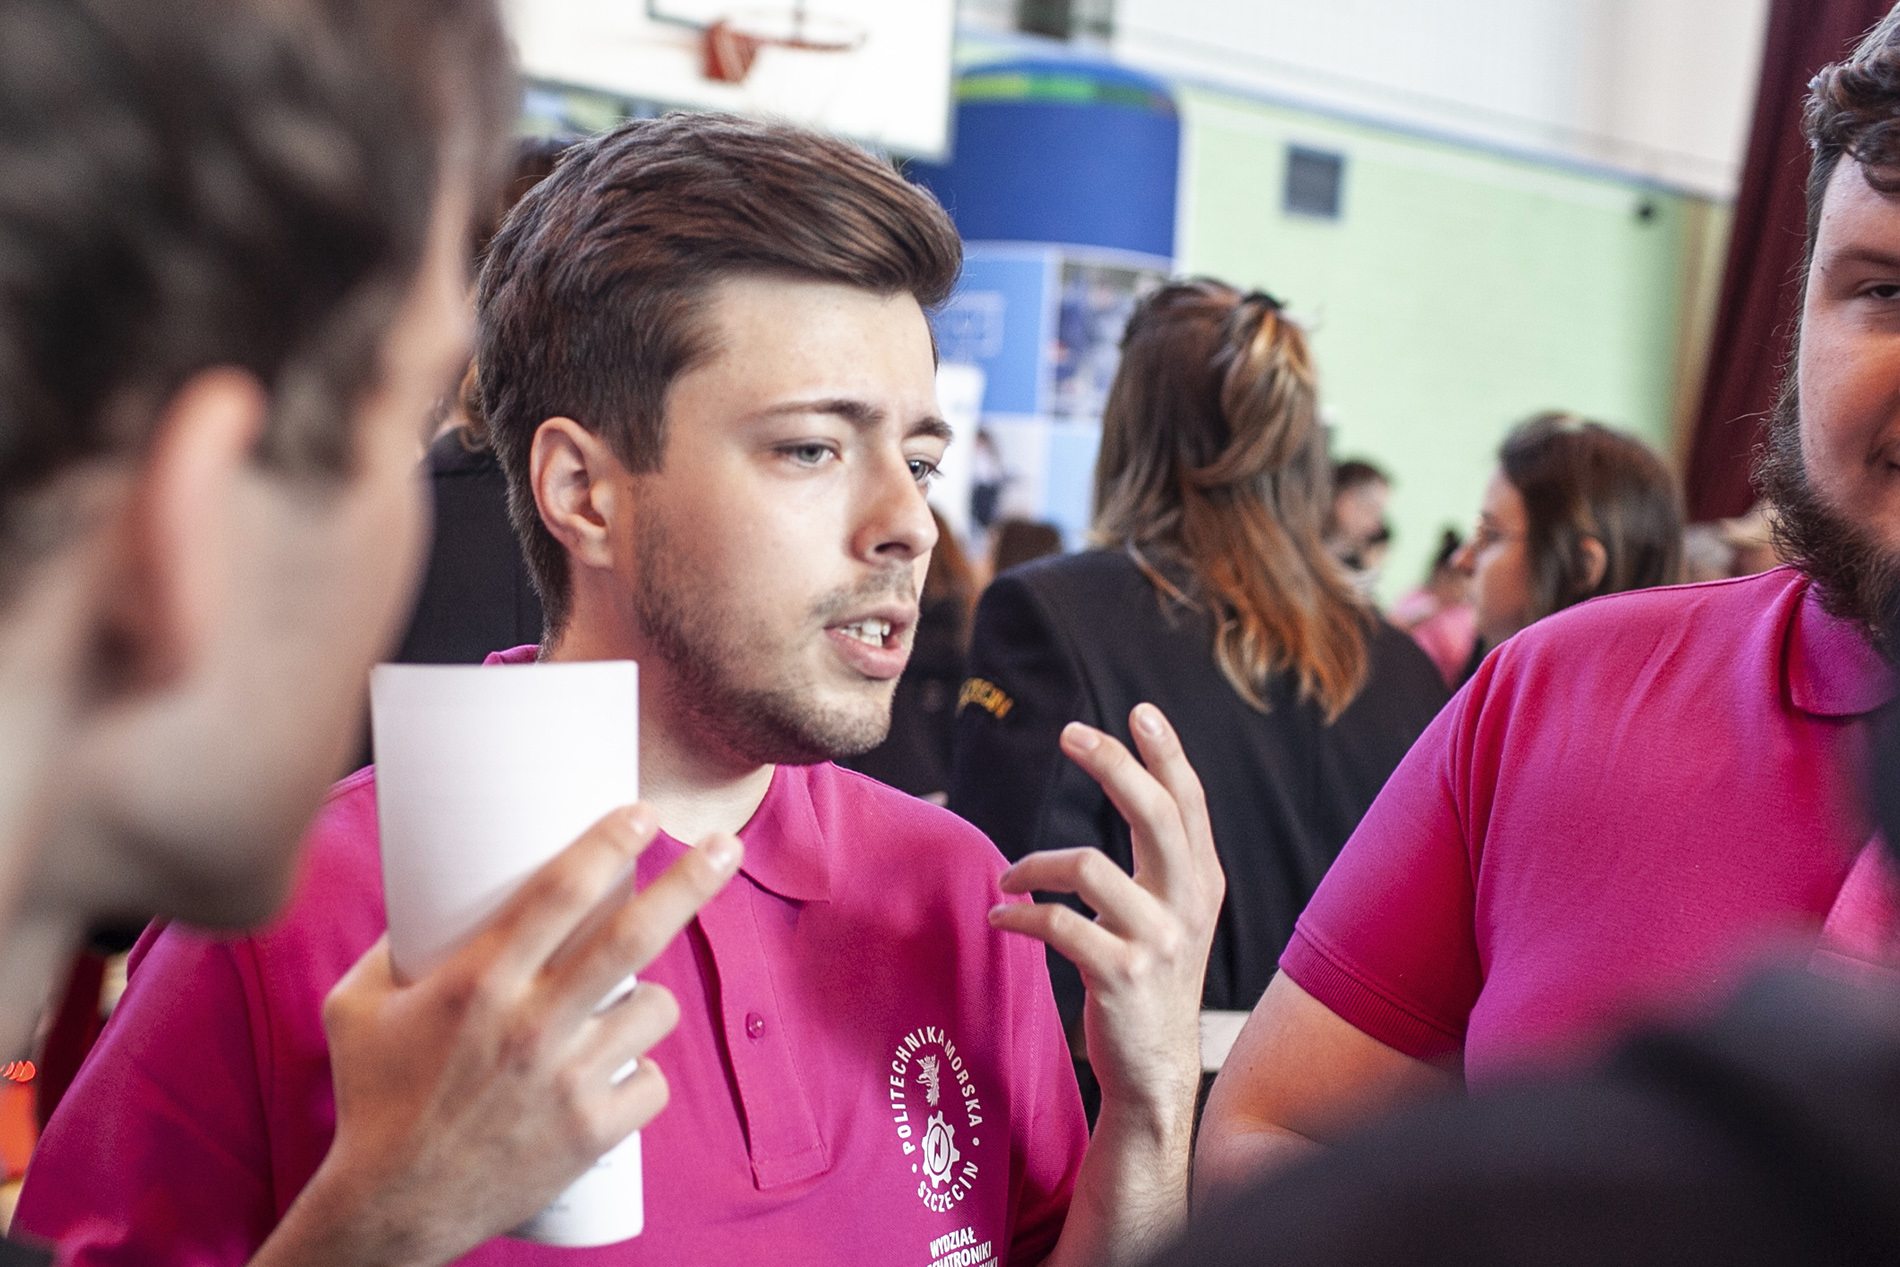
1212	595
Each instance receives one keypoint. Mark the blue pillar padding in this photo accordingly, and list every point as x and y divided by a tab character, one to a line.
1074	153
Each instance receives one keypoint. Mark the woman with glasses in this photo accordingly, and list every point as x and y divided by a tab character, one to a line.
1574	510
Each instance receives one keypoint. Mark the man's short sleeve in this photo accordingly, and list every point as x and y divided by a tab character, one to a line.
1388	942
159	1151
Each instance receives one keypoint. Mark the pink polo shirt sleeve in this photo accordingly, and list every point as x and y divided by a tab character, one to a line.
1388	942
206	1105
1629	804
170	1162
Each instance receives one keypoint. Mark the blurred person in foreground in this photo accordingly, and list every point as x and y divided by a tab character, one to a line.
1575	510
1211	594
708	375
1632	795
1439	615
233	279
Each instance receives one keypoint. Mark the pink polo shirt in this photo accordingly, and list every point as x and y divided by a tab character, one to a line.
841	1001
1624	806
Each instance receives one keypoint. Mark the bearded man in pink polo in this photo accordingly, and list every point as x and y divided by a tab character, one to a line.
708	374
1634	799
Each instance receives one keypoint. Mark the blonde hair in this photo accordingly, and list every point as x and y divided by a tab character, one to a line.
1213	455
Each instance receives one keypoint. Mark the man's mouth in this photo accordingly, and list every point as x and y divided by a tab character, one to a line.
872	631
875	646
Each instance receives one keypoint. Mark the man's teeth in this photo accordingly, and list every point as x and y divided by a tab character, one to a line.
872	631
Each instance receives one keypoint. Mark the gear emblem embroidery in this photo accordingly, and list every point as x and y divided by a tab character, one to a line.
940	1150
937	1112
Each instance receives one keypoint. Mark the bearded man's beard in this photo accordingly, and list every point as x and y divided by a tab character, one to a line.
706	647
1859	578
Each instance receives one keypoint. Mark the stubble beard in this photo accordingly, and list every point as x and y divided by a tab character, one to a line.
1858	576
707	648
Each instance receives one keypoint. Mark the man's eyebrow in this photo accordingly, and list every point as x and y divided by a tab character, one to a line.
1864	255
861	414
934	427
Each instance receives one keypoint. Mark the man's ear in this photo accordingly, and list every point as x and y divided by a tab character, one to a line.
177	556
1596	561
572	473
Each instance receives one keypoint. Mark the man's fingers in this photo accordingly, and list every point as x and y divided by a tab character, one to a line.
603	1112
636	1100
632	936
558	897
1162	857
370	979
1124	908
625	1032
1204	884
1074	936
372	972
622	1099
1166	760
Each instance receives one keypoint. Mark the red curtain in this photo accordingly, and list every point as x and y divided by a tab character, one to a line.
1756	313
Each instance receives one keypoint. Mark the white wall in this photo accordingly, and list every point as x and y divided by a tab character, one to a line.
1657	88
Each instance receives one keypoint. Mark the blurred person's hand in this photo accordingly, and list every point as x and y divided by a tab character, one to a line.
469	1099
1143	958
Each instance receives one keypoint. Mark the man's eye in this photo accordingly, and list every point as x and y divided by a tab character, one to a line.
1886	292
923	470
807	454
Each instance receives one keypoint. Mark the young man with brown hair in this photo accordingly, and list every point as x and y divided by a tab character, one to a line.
709	378
233	255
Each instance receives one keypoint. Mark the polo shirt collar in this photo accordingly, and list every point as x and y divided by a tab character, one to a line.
1833	671
785	849
784	846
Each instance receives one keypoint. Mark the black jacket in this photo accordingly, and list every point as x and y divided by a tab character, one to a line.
1087	637
477	595
915	756
20	1254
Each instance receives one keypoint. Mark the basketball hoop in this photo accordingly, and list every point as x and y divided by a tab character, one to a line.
731	45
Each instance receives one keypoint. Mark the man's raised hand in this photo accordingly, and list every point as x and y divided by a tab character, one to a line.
1143	958
468	1099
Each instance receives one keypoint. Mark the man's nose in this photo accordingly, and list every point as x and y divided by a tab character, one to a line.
897	523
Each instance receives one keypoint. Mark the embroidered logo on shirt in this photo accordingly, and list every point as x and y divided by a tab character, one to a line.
940	1151
986	695
961	1249
927	1072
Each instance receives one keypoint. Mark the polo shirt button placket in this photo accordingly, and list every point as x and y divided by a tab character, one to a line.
781	1130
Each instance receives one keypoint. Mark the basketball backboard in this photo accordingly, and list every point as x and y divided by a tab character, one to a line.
877	71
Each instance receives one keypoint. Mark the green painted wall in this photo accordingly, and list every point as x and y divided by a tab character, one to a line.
1458	292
